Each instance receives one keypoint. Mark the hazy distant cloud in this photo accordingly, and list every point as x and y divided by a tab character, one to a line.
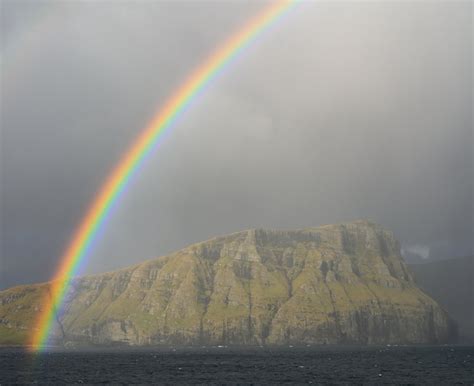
420	250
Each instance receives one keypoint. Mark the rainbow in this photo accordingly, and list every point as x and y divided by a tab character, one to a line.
121	175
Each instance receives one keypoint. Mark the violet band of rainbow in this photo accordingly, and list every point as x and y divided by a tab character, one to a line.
117	181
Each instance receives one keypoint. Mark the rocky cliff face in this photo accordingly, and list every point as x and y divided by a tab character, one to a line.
333	284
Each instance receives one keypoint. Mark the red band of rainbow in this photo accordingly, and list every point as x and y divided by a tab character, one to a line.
130	163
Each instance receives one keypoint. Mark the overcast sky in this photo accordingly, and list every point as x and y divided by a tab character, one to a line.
343	110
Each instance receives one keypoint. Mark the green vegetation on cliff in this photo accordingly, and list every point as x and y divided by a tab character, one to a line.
333	284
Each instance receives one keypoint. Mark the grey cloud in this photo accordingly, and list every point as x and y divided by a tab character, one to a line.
343	110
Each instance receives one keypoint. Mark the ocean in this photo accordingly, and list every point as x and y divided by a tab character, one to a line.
228	365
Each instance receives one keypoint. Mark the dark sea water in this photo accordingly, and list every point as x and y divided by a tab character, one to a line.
376	365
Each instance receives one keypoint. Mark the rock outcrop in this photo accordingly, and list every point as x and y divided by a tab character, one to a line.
342	283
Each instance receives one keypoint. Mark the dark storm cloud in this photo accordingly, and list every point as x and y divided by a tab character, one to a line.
343	111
